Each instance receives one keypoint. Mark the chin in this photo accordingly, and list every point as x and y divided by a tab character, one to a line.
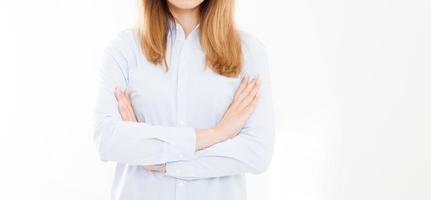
185	4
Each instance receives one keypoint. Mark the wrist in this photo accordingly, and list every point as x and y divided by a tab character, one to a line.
208	137
163	170
221	133
217	134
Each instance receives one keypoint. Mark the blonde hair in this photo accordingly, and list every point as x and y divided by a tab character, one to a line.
218	35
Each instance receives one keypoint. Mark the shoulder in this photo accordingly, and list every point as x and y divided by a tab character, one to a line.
126	35
122	48
251	44
254	54
124	42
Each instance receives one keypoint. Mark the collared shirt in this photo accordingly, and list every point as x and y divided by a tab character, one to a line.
169	106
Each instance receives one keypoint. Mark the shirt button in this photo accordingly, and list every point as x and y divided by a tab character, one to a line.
182	122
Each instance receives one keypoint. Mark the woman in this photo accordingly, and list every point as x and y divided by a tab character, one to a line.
185	106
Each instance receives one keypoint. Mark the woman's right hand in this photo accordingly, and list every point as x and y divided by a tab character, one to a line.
235	117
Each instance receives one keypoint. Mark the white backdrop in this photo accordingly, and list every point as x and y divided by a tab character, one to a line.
351	82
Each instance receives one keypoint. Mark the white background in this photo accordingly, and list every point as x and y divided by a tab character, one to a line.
351	81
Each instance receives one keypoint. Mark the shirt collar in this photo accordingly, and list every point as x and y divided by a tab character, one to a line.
175	26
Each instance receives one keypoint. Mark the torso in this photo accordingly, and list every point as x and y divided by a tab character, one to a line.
189	95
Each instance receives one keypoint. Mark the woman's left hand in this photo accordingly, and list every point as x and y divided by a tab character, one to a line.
125	105
127	114
156	168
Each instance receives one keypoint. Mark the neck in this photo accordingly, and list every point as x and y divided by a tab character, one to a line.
187	18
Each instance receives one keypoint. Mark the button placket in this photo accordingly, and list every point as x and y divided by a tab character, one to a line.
181	78
181	190
181	183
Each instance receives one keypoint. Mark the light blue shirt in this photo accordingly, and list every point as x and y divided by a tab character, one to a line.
168	107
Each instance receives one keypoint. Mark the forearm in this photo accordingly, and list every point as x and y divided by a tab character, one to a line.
141	143
208	137
243	154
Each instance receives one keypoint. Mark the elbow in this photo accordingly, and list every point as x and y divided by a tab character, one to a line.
100	141
262	150
263	153
261	167
101	149
104	130
262	162
260	153
103	154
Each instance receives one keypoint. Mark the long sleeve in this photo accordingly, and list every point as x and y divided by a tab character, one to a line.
130	142
251	150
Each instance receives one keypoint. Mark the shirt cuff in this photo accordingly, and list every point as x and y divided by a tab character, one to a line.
177	169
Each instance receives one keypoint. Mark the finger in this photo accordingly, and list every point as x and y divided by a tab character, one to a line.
250	108
247	90
249	98
117	94
127	107
130	111
153	167
129	104
123	105
124	99
241	87
123	111
127	94
148	167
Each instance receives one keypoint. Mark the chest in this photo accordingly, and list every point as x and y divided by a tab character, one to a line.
186	91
